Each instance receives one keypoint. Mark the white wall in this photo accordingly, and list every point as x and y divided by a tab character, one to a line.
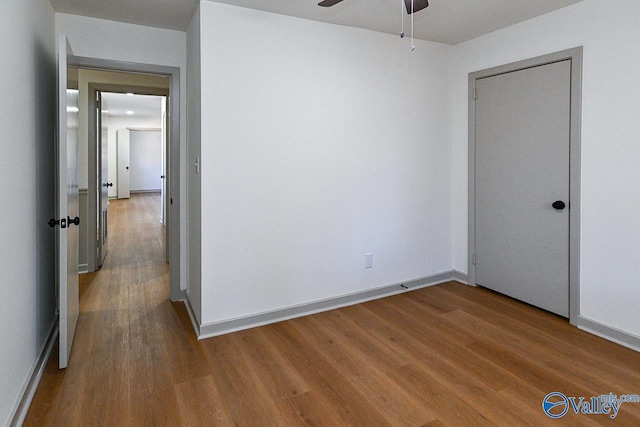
113	123
99	38
610	249
145	160
320	143
27	105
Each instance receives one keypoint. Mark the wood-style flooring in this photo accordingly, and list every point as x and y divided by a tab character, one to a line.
444	355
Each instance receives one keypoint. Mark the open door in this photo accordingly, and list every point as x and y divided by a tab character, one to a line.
122	136
67	219
163	162
103	179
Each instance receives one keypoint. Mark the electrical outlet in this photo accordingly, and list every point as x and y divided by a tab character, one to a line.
368	260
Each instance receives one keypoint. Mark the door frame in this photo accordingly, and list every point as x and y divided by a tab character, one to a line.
575	56
175	175
95	155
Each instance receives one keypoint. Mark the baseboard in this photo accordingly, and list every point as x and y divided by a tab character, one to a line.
20	411
145	191
180	295
461	277
609	333
232	325
83	268
192	315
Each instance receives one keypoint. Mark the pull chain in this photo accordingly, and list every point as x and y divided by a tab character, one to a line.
412	48
402	17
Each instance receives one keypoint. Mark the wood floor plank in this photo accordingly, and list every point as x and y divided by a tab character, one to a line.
312	409
340	394
445	343
200	403
444	355
458	375
246	396
395	403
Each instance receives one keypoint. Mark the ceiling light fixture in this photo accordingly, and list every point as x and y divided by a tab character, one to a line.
129	113
129	93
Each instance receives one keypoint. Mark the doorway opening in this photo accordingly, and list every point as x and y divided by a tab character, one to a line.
97	76
133	142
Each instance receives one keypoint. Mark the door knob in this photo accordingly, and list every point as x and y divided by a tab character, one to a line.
61	222
108	184
559	205
73	221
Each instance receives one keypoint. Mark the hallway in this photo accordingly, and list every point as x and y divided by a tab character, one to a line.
127	329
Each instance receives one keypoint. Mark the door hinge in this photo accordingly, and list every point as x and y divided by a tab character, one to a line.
475	94
474	259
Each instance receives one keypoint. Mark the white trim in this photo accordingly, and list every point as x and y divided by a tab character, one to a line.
83	268
461	277
192	315
246	322
30	386
609	333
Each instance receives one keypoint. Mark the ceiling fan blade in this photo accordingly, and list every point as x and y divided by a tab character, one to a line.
329	3
418	5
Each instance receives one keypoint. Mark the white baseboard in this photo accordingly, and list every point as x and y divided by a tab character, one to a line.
83	268
232	325
30	387
609	333
192	315
461	277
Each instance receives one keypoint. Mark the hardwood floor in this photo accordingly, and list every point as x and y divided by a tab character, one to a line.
445	355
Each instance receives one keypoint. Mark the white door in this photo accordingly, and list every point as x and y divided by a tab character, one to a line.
102	135
122	137
67	201
145	160
163	165
522	140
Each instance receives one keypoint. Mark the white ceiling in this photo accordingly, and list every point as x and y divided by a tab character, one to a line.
117	104
446	21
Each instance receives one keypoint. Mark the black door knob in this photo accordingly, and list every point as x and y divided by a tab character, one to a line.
559	205
73	221
61	222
